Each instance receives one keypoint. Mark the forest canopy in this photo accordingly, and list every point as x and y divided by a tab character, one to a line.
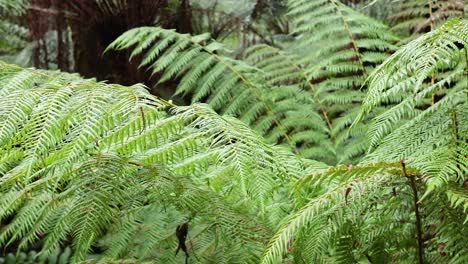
220	131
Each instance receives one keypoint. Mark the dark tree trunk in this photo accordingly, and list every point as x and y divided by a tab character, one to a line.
184	24
94	25
61	28
97	27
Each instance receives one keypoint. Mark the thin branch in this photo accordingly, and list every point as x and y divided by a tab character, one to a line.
416	210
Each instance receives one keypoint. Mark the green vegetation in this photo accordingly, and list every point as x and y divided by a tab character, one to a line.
339	135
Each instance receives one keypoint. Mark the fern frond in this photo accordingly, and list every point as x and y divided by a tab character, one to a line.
88	156
431	138
336	201
338	47
230	86
413	18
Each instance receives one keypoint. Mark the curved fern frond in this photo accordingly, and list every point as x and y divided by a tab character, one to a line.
71	148
328	210
270	96
231	86
428	132
338	47
340	207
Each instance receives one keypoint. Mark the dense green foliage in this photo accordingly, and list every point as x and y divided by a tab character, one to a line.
432	140
344	142
70	181
13	37
301	102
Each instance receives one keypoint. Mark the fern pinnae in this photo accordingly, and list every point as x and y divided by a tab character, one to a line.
260	53
338	47
148	165
209	70
330	202
102	157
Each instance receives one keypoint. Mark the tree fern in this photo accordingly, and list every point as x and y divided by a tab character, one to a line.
338	48
271	92
429	141
331	209
110	172
87	156
440	146
230	86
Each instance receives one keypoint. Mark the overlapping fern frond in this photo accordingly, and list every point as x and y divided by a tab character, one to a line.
12	37
332	221
428	124
355	198
284	114
415	17
305	96
81	158
112	170
282	68
338	47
